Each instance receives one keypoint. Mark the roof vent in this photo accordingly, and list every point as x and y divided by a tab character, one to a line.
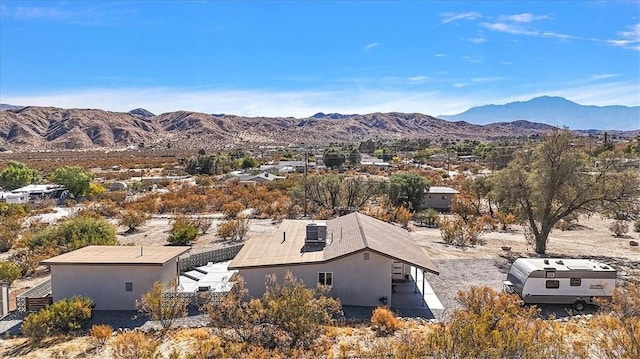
316	234
560	262
546	261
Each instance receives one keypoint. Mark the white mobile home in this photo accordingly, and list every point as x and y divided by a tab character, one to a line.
560	281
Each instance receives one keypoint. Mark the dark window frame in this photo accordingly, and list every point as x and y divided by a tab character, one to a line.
552	284
575	281
325	278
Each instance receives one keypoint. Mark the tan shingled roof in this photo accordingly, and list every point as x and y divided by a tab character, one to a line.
345	235
109	255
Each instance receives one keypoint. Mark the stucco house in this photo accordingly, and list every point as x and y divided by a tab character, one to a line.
439	198
358	256
113	276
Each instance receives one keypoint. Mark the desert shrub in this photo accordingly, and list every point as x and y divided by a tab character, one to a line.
203	224
636	225
427	217
29	259
62	316
37	326
505	219
70	314
403	216
75	233
101	333
232	209
10	228
234	229
619	227
288	315
568	223
9	271
618	324
161	307
118	197
384	322
458	232
128	345
496	325
12	209
183	232
133	219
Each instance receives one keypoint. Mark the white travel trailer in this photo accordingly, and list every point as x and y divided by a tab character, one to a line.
560	281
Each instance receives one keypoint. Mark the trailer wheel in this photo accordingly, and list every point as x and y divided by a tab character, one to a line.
579	305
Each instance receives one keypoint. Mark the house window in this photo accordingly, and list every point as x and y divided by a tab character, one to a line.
325	278
550	274
444	197
128	286
366	256
575	282
553	284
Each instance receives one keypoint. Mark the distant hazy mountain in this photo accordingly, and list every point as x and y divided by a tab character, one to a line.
332	116
141	112
5	107
555	111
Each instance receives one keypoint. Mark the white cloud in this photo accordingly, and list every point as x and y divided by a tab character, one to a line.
487	79
459	84
451	17
508	28
478	40
419	78
473	59
602	76
628	39
525	17
440	55
371	46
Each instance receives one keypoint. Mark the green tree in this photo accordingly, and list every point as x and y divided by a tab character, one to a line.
333	157
75	233
17	174
354	156
74	178
183	232
555	180
407	190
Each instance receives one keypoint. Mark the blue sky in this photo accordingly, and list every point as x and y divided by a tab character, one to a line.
296	58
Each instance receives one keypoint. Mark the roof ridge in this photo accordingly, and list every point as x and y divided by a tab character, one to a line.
364	238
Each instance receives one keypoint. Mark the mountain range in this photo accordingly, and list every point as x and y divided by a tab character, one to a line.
25	128
555	111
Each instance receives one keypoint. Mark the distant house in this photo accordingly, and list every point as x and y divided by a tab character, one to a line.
439	198
113	276
14	198
250	179
358	256
37	192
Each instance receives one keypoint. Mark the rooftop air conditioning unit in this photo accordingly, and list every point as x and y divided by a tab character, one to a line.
316	234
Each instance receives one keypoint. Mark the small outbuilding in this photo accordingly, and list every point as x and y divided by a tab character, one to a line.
439	198
113	276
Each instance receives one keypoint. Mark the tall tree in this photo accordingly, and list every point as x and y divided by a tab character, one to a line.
556	180
407	189
333	157
17	175
74	178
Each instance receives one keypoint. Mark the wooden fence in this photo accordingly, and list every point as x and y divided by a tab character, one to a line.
34	297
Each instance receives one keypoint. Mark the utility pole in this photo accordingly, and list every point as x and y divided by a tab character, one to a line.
304	183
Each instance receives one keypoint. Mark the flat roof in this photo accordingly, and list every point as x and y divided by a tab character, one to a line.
440	189
114	255
565	264
346	235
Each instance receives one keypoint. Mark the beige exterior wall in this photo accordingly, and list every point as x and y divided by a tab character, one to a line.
356	281
106	284
438	200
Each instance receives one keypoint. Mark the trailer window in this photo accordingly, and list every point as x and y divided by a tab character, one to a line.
550	274
575	282
553	284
